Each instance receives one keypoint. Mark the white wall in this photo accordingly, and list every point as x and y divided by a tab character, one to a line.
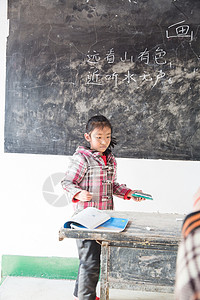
29	225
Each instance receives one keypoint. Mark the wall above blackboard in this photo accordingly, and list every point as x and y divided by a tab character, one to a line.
134	61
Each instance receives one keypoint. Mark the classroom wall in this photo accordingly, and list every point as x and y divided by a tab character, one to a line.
29	224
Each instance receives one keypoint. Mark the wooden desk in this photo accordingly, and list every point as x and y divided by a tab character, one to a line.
143	257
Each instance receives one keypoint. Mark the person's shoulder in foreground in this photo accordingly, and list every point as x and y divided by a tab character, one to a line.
187	285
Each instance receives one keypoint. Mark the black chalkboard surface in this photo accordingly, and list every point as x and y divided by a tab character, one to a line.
134	61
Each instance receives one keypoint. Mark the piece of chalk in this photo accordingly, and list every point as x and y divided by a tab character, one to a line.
148	228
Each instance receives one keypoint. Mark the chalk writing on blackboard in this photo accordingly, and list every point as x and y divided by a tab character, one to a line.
93	58
110	56
94	77
159	56
143	56
157	60
179	30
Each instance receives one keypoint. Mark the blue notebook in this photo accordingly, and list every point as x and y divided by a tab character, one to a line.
89	217
96	220
112	225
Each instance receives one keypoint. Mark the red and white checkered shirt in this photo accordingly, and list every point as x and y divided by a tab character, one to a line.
88	171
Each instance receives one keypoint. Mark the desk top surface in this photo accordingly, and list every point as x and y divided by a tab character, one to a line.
154	227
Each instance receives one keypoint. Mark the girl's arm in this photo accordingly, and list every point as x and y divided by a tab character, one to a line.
74	175
119	190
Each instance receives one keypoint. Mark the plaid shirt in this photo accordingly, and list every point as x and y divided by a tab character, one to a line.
188	260
87	171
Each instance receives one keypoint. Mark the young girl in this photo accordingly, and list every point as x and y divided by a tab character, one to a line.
91	181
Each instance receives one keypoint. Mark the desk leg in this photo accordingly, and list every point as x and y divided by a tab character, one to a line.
105	259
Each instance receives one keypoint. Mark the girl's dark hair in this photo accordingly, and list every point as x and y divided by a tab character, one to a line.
101	121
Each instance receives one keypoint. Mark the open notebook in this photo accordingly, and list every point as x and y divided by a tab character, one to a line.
94	219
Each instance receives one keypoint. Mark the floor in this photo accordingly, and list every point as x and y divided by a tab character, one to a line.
27	288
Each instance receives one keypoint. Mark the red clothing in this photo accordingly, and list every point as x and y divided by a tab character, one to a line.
104	159
89	172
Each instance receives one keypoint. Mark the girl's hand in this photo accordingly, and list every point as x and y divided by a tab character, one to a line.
83	196
137	199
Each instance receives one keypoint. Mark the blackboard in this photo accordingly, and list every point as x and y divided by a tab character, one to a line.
134	61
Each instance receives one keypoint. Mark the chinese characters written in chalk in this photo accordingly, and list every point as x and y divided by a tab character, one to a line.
94	77
179	30
143	56
155	60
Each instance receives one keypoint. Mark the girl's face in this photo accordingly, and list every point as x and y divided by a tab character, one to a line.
99	139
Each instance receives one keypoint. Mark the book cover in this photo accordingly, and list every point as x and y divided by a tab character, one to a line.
96	220
89	217
112	225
